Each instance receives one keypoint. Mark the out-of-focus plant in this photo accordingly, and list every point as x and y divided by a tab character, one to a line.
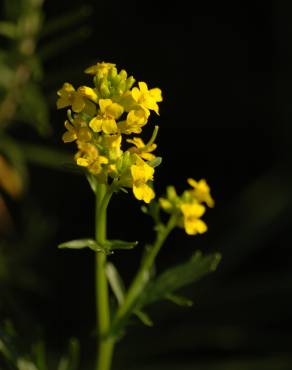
27	39
102	120
34	358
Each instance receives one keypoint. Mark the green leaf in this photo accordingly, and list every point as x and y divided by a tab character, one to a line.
66	20
8	29
71	360
143	316
82	243
33	109
120	244
179	300
155	162
115	282
39	353
177	277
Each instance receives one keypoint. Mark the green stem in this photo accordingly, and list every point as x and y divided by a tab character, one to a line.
105	343
142	275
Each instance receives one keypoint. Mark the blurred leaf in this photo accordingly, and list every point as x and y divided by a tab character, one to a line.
24	364
62	43
33	108
143	317
179	276
179	300
66	20
8	29
71	361
6	75
14	154
115	282
39	353
47	157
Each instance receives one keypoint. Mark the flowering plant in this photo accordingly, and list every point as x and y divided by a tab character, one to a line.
104	121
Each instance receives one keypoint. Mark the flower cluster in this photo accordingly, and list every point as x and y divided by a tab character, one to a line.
100	117
189	206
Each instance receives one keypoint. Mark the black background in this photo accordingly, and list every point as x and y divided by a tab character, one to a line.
225	73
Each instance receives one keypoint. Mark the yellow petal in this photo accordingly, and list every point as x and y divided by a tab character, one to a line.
114	110
194	227
84	134
156	94
82	162
143	87
192	182
103	104
69	136
78	103
109	126
136	94
143	192
137	141
89	93
96	124
63	102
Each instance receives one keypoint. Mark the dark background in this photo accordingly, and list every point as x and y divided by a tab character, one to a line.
225	73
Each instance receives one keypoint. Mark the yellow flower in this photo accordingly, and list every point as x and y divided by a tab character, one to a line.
106	118
147	99
192	223
201	191
142	150
136	119
141	173
101	69
76	132
112	144
88	156
79	99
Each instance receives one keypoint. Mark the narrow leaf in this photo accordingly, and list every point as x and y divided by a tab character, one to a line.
80	244
115	282
120	244
179	300
143	316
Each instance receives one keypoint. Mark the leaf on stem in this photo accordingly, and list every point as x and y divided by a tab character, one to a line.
177	277
120	244
82	243
115	282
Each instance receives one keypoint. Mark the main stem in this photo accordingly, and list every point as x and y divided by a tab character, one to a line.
105	343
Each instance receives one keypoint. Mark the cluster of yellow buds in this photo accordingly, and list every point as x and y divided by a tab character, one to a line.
99	117
189	206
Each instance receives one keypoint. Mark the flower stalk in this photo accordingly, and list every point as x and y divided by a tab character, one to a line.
105	344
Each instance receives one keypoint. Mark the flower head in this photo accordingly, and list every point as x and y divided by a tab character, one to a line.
101	117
